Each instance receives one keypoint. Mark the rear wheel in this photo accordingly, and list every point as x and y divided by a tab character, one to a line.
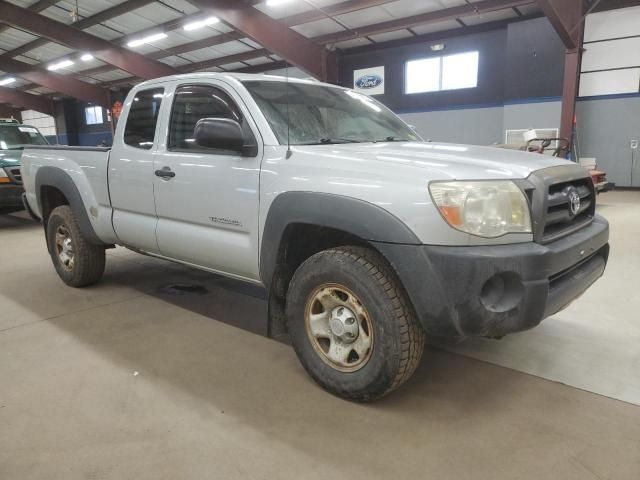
78	262
351	324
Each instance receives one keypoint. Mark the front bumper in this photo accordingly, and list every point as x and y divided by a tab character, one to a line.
495	290
11	196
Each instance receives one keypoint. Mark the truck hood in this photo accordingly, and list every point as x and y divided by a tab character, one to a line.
450	161
10	158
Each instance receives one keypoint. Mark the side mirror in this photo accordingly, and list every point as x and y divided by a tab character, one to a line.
222	133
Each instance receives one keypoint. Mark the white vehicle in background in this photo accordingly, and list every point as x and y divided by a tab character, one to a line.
367	238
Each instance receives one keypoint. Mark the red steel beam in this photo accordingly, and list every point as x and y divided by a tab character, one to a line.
7	111
292	20
106	51
569	92
109	13
274	36
64	84
484	6
35	7
27	101
566	17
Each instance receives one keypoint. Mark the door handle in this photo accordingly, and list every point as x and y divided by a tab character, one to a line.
165	173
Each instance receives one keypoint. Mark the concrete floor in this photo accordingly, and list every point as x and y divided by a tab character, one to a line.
134	379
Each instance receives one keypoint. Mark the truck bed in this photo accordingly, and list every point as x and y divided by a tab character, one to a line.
87	169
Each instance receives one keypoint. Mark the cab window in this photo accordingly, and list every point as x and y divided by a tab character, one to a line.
143	118
194	102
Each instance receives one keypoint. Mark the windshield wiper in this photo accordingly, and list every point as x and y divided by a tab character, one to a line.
333	141
393	139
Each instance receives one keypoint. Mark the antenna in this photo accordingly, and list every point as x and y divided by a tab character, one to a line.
289	151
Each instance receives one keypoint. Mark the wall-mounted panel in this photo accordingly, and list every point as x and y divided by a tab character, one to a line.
611	54
624	22
610	82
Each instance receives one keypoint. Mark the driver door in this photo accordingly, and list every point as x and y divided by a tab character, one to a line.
207	198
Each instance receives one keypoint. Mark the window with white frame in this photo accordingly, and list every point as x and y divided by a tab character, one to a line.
93	115
450	72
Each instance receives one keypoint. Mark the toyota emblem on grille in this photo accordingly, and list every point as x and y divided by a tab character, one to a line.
574	202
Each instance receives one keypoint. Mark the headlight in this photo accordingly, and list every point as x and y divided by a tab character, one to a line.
4	178
487	209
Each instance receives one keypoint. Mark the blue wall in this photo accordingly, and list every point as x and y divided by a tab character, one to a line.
92	139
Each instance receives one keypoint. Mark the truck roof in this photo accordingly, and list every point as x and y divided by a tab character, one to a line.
242	77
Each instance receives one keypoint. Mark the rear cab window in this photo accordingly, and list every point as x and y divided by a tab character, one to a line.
142	119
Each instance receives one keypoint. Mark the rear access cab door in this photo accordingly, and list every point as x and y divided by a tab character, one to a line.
131	175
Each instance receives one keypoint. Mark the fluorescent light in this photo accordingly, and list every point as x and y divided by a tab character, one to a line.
59	65
7	81
201	23
149	39
276	3
86	57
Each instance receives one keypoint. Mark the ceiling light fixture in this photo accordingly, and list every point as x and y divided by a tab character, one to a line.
149	39
201	23
57	66
7	81
437	47
86	57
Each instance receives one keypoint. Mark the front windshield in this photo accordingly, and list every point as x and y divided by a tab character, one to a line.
310	114
13	137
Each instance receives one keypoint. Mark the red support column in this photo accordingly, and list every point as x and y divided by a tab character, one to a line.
569	92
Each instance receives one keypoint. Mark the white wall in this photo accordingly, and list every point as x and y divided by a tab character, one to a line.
484	126
474	126
45	123
611	61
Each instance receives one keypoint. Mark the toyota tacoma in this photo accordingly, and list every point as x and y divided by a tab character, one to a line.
367	238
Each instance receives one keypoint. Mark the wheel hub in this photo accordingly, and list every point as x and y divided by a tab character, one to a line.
339	327
64	246
343	324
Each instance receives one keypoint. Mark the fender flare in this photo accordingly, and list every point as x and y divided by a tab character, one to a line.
57	178
354	216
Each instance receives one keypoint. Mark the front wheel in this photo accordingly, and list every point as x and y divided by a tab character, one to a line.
78	262
351	324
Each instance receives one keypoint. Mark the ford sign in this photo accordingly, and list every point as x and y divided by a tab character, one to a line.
369	81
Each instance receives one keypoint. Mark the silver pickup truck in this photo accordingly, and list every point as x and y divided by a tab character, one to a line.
367	238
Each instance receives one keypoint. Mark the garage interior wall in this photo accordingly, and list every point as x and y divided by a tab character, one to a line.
43	122
520	77
608	112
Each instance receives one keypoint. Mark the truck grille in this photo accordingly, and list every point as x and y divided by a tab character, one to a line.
563	200
565	213
14	174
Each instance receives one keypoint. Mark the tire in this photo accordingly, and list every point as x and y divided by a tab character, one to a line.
388	341
78	262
